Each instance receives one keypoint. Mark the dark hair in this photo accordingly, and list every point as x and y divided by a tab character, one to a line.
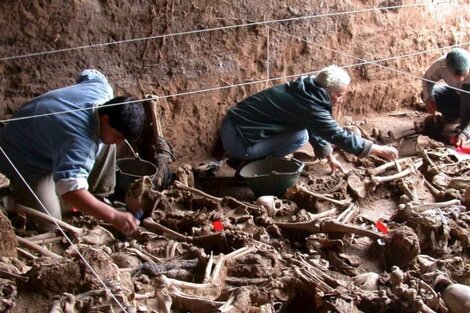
458	61
125	116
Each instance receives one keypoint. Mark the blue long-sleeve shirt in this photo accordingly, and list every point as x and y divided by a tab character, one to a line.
66	144
296	105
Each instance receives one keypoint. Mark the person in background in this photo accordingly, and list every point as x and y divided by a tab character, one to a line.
63	144
443	101
277	121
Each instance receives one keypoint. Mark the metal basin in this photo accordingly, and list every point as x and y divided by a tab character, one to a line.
130	169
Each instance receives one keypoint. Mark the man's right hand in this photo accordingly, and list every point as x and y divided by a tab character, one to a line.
461	139
431	107
125	222
388	152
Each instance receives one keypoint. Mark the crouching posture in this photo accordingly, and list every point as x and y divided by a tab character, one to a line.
277	121
63	144
448	103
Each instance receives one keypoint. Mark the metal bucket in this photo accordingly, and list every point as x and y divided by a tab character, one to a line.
271	176
130	169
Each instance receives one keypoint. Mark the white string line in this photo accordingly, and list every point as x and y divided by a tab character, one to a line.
268	41
74	246
375	62
187	93
220	28
363	62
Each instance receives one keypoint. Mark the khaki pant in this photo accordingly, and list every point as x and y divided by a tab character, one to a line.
101	180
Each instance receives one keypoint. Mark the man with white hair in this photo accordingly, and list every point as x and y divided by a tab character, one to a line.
446	100
277	121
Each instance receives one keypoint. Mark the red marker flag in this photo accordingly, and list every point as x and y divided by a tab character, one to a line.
218	226
381	227
463	149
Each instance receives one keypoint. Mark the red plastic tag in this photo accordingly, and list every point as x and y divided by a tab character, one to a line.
381	227
218	226
463	149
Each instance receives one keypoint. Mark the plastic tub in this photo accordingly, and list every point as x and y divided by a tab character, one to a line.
271	176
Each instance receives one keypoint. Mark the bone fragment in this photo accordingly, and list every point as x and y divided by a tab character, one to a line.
409	170
46	218
171	234
329	226
382	168
9	275
323	197
26	254
181	186
37	248
198	304
347	215
427	206
208	270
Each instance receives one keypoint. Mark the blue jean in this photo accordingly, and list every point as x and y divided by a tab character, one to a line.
276	146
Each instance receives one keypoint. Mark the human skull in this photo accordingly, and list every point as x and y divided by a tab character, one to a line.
275	206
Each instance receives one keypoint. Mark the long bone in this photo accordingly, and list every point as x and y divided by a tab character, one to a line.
93	236
216	238
407	171
428	206
323	197
329	226
349	214
382	168
196	191
37	248
182	186
214	276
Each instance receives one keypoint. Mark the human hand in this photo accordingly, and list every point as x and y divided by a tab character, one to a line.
125	222
388	152
335	164
431	107
461	139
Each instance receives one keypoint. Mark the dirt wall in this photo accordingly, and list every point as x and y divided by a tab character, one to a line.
186	63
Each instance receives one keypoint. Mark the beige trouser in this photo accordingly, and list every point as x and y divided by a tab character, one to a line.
101	180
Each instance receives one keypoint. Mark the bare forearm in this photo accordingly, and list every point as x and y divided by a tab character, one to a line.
85	202
88	204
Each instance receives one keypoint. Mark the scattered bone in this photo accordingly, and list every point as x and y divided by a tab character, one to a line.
37	248
357	186
185	175
4	181
96	236
455	296
323	197
411	169
427	206
382	168
328	226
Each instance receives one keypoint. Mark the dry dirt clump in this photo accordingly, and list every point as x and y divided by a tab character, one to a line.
321	247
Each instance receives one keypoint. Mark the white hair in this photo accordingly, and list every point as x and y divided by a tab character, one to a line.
333	77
